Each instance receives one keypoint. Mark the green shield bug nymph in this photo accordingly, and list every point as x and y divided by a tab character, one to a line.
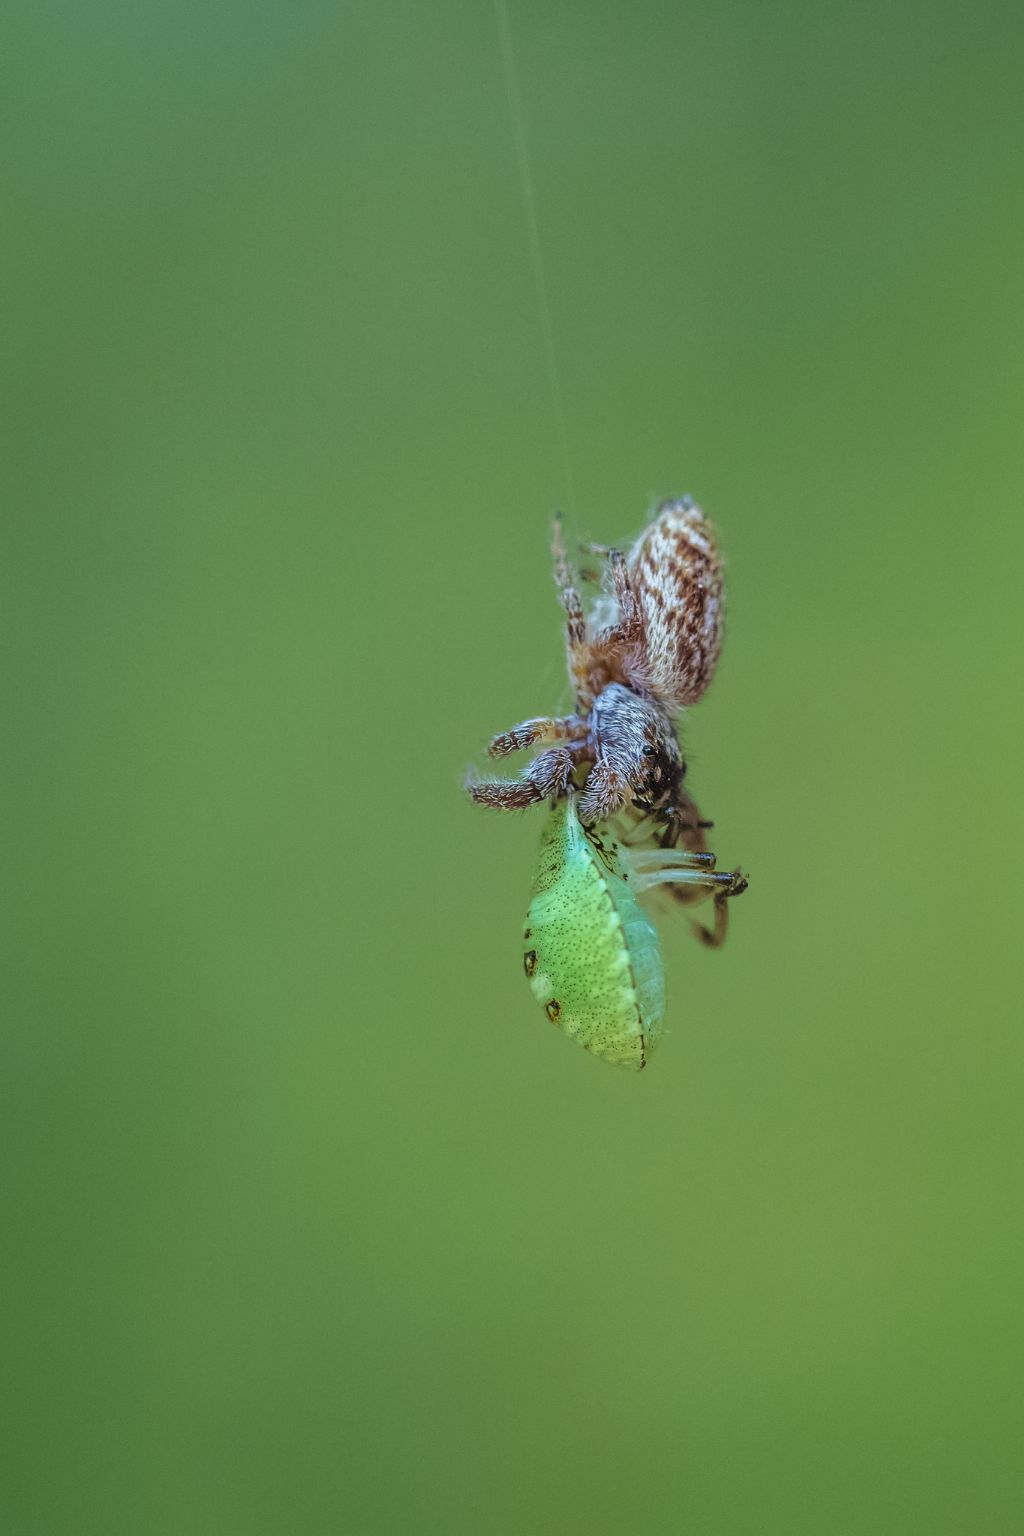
590	952
591	955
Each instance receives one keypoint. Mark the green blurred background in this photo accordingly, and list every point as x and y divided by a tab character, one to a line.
312	1222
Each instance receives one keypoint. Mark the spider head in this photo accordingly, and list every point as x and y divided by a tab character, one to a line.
636	755
660	786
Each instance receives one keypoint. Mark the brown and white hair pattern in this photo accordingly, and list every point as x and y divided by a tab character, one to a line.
676	572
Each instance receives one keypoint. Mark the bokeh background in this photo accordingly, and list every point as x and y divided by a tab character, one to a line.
312	1222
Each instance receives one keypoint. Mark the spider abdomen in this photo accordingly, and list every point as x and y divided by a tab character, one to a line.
676	570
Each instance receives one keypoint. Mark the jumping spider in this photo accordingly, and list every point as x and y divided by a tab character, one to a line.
631	676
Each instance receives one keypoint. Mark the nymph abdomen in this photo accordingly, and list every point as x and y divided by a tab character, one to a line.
591	955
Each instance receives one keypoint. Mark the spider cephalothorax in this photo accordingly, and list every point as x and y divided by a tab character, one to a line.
631	677
636	755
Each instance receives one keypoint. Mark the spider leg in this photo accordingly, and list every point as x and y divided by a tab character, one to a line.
577	649
626	639
531	732
630	628
548	775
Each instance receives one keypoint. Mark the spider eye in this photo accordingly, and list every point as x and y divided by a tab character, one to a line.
650	751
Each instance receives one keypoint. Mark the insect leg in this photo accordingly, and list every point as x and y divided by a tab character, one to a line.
682	823
533	731
646	860
714	937
686	876
688	884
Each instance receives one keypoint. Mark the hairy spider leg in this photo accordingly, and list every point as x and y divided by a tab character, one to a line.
624	642
547	776
629	630
530	732
577	649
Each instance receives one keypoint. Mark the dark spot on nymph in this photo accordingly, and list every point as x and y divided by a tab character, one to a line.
527	933
553	1010
530	961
